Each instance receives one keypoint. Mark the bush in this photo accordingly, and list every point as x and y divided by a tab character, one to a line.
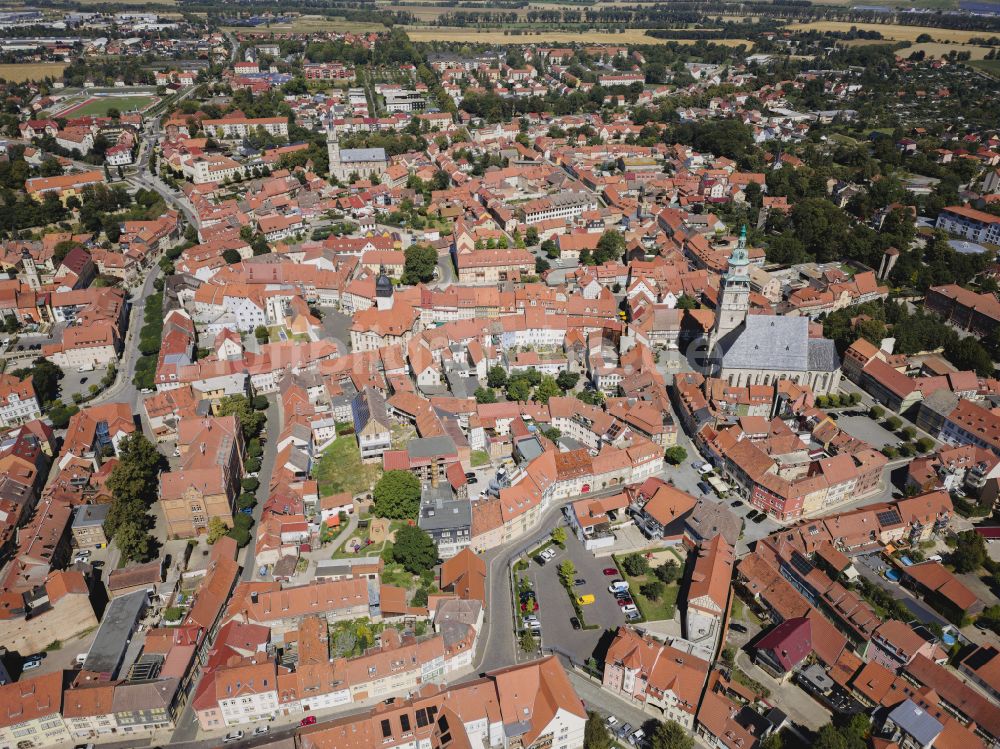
635	565
653	590
668	572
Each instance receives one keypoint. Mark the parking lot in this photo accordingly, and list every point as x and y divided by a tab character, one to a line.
867	429
554	607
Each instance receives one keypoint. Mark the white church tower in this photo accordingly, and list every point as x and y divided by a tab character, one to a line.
734	297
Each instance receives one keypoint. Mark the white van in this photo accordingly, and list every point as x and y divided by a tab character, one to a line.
618	586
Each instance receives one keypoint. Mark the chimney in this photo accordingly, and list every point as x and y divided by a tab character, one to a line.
253	596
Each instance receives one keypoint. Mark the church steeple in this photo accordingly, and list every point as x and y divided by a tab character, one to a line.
734	296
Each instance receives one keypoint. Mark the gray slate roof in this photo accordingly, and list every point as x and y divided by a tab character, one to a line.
355	155
770	342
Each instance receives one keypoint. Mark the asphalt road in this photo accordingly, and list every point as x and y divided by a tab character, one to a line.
122	390
264	476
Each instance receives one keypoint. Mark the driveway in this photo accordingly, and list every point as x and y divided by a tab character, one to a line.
555	609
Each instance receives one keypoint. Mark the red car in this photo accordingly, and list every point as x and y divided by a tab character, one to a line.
610	571
308	720
623	602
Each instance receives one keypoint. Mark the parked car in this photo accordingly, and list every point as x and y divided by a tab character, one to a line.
617	586
574	622
261	730
586	599
737	627
473	480
624	730
31	665
579	581
233	736
469	474
540	560
611	722
704	488
631	616
625	602
737	503
309	720
630	609
610	571
637	736
549	554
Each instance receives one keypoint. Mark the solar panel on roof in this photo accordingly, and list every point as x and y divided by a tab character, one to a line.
888	517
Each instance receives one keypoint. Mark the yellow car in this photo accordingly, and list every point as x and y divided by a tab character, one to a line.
585	599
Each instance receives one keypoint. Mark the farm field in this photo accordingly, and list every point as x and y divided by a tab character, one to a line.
99	106
938	50
305	24
990	67
486	36
31	71
891	31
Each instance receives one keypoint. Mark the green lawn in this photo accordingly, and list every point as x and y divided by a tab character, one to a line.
480	458
340	469
651	610
100	106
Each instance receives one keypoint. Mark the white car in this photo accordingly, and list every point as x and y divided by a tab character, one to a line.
636	737
261	730
549	554
611	722
31	665
232	736
630	609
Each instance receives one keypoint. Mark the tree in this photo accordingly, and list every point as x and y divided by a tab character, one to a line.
133	541
496	376
653	590
216	529
421	259
241	529
414	549
567	380
675	455
541	265
595	733
559	535
668	572
670	735
971	552
261	334
635	565
518	389
893	423
397	495
485	395
45	378
567	572
876	412
250	421
611	246
259	403
250	484
231	256
546	389
134	477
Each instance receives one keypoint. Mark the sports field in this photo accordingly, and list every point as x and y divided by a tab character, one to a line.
98	106
31	71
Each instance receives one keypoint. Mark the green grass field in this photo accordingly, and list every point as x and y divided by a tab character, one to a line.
990	67
100	106
340	469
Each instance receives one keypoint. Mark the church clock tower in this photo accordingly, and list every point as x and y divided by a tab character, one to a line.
734	297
